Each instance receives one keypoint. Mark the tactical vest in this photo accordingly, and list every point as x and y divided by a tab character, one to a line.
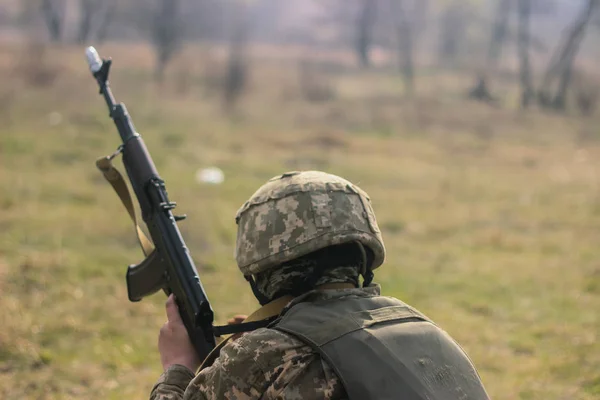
381	348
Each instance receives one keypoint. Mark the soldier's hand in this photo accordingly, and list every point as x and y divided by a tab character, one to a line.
238	319
174	344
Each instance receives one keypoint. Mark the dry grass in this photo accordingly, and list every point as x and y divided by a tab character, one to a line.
491	218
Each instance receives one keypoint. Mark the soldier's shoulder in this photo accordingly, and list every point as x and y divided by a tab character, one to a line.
268	347
269	340
254	363
245	365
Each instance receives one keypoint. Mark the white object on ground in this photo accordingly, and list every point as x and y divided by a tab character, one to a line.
212	175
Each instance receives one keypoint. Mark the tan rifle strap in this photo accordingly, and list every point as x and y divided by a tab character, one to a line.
114	177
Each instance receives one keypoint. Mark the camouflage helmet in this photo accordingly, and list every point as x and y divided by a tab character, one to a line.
297	213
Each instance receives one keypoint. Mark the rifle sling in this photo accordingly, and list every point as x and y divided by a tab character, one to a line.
114	177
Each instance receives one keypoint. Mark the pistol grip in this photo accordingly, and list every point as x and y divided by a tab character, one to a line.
145	278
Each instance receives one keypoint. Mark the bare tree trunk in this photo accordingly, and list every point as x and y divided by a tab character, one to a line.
561	64
237	68
524	42
365	23
498	33
452	33
166	32
404	33
87	10
107	17
578	34
53	13
501	16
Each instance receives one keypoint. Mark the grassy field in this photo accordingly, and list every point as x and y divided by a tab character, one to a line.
491	217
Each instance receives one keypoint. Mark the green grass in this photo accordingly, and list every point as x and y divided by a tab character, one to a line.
491	217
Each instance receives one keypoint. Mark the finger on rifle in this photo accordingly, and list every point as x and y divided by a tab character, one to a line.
172	310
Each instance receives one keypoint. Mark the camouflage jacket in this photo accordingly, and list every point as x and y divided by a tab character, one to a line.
264	364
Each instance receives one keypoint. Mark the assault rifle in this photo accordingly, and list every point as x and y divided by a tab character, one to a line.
168	265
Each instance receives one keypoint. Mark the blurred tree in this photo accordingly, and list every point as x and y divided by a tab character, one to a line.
499	32
364	26
559	72
166	34
53	12
586	92
110	11
87	9
235	81
95	15
404	34
237	65
527	91
453	23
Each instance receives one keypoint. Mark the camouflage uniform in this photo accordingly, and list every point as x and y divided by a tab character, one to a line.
264	364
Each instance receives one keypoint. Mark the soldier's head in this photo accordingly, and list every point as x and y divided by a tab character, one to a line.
304	229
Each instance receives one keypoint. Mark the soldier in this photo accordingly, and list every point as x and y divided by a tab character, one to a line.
304	241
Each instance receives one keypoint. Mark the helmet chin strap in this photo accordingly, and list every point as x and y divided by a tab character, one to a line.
365	269
262	299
